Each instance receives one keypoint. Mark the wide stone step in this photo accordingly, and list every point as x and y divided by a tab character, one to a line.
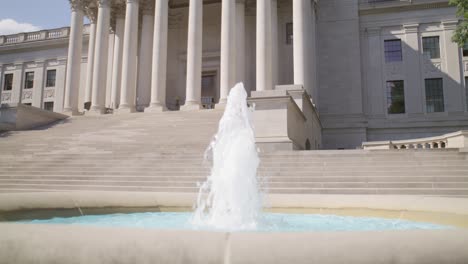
267	185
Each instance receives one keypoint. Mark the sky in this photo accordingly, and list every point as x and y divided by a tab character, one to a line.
31	15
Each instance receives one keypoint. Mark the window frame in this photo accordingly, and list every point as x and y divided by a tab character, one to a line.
26	81
47	84
465	50
49	102
429	50
5	81
393	99
391	52
441	99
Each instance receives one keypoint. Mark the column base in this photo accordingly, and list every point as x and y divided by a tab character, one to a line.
72	112
125	109
191	106
155	108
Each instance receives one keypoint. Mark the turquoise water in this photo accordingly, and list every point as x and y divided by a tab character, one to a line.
269	222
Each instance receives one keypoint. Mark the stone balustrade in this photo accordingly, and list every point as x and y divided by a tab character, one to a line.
457	140
38	36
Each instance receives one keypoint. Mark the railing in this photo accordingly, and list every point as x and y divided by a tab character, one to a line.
457	140
39	35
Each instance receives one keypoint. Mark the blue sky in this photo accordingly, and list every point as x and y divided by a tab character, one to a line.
28	15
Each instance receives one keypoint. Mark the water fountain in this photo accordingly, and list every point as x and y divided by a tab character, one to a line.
230	198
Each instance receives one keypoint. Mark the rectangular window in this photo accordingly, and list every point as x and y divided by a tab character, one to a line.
431	47
465	50
8	83
49	106
434	95
29	80
395	97
393	50
289	33
51	76
28	104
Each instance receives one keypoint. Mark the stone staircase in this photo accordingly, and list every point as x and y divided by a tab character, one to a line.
163	152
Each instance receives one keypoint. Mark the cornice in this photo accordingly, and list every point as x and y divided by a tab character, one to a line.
401	7
411	28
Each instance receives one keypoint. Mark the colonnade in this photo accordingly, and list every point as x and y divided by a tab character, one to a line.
124	74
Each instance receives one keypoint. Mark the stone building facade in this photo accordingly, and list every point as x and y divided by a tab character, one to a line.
375	69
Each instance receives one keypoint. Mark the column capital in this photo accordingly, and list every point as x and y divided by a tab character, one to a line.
91	12
104	3
76	5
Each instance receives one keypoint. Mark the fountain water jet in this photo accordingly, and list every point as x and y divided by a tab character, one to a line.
230	198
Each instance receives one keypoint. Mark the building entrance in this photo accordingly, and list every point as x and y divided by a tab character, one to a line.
208	90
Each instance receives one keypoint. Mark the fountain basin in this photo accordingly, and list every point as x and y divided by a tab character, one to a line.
29	243
268	222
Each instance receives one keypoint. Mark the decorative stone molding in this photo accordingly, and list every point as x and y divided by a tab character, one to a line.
450	25
373	32
27	95
10	67
394	69
6	96
49	93
411	28
432	67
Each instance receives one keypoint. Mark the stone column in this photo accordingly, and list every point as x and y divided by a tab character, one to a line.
240	40
145	57
302	13
274	43
72	85
98	99
90	67
117	70
159	69
227	49
264	46
129	59
194	56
